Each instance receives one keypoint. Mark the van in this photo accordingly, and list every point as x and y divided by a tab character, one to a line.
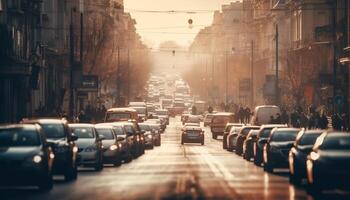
262	114
219	121
121	114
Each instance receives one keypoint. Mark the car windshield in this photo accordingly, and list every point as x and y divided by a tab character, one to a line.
221	120
83	132
129	129
19	138
284	136
145	127
111	117
161	112
228	128
246	131
118	130
336	143
106	133
140	110
309	139
53	130
266	133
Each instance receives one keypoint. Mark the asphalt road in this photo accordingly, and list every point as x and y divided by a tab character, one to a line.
173	171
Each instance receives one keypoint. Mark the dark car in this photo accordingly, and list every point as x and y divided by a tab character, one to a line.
298	154
110	145
277	148
58	132
248	145
328	163
149	135
227	132
26	158
261	139
156	134
242	135
192	134
90	152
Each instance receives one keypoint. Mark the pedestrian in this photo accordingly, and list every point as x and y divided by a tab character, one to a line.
278	119
210	109
323	121
336	122
272	120
247	114
284	117
241	115
83	117
294	118
194	110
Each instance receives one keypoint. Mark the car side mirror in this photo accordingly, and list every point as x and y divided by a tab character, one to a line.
73	137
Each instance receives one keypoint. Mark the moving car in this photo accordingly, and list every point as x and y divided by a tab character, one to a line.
26	158
328	163
155	128
121	114
136	137
58	132
163	113
142	113
157	121
227	132
262	114
261	139
242	135
137	104
192	134
248	145
277	148
90	152
149	135
232	137
219	122
298	154
111	152
194	119
207	119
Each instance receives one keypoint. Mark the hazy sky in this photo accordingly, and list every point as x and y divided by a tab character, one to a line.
157	27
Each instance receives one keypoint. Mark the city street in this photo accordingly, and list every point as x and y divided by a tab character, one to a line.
173	171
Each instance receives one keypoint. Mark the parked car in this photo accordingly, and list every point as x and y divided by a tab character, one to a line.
227	132
298	154
26	157
149	135
232	137
242	135
111	152
219	122
248	145
58	132
328	163
261	139
277	148
262	114
192	134
90	152
207	119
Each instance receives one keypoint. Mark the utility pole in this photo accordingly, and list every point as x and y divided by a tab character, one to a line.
277	81
118	78
71	62
226	88
252	75
128	74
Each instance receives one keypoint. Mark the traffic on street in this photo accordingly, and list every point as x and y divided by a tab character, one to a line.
165	99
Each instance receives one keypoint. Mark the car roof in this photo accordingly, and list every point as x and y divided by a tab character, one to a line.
234	124
82	125
274	126
44	121
286	129
193	128
223	114
251	126
18	126
125	109
337	134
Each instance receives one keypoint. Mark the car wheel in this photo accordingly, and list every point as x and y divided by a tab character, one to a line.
215	136
46	184
268	167
71	173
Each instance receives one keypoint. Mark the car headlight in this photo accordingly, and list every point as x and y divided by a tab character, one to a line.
113	147
149	136
37	159
120	145
90	149
314	156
